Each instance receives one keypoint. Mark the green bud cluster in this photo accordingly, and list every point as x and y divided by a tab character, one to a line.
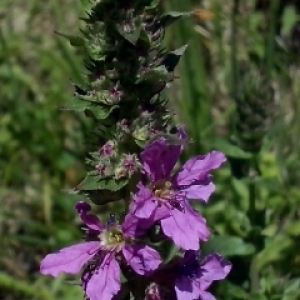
127	69
254	109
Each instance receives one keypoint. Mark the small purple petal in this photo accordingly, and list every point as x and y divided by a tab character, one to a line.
105	283
134	227
143	259
185	229
68	260
185	290
199	167
90	220
144	203
182	133
159	159
214	267
203	192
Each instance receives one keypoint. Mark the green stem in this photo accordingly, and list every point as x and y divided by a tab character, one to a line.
252	206
253	217
233	54
270	47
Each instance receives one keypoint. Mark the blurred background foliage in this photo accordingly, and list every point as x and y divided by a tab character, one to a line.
237	90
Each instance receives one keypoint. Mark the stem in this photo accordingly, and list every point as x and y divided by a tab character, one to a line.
252	197
254	220
233	54
254	277
270	47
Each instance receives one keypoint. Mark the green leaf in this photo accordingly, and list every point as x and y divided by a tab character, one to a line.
173	57
131	36
229	149
289	19
91	183
228	246
154	4
293	228
77	103
157	74
173	16
75	41
101	112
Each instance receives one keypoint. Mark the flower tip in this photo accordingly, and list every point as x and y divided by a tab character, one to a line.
82	206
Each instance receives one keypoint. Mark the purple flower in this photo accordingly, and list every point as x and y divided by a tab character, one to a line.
105	248
194	278
164	196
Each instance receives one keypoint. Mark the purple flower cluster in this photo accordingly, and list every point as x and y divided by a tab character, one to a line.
163	197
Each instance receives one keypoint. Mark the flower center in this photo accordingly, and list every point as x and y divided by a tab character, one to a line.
162	190
112	239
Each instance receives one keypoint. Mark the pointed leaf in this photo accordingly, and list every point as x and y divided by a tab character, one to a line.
229	149
75	41
227	246
131	36
91	183
173	58
157	74
77	103
101	112
173	16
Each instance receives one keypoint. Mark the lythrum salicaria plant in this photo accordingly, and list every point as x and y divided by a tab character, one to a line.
133	163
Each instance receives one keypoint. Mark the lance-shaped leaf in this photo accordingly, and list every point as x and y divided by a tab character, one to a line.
75	41
158	74
227	246
95	182
173	16
100	112
77	103
132	34
102	190
173	57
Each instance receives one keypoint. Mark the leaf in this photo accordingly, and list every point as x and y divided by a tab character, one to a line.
101	112
157	74
131	36
293	228
172	58
77	103
289	19
228	246
229	149
173	16
75	41
91	183
154	4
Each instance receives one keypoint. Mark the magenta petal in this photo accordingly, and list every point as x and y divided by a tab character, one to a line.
203	192
159	159
199	167
214	267
90	220
144	203
143	259
185	290
68	260
199	223
105	283
181	230
134	227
